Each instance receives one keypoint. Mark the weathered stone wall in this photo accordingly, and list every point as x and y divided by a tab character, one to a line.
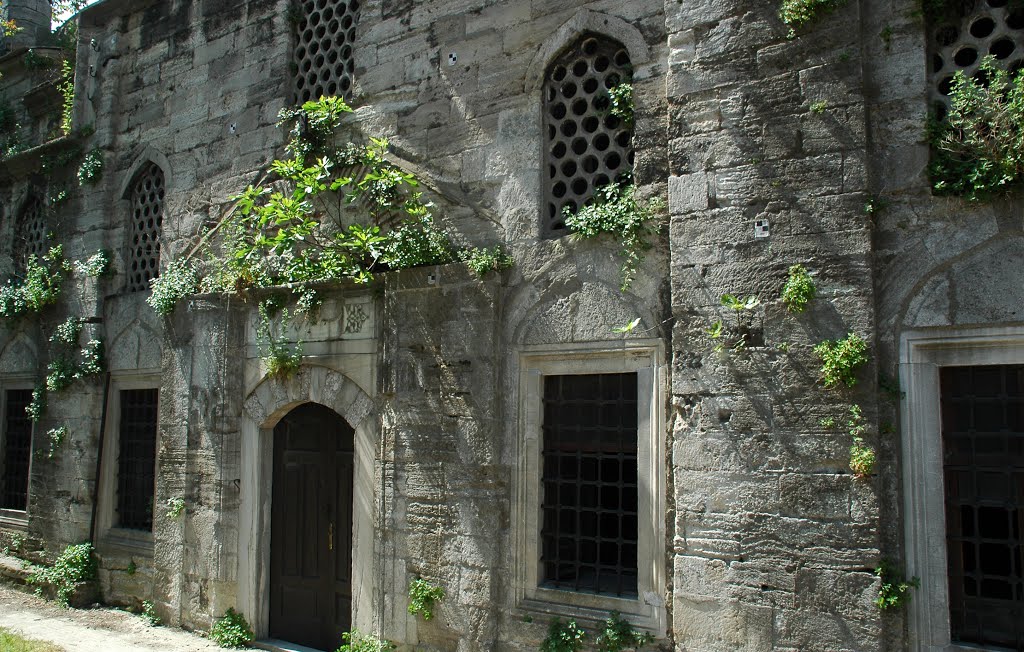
774	539
770	541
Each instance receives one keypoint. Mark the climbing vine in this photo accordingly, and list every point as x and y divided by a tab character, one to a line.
328	212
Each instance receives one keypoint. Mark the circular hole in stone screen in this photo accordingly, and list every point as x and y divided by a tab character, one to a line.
590	124
569	128
937	63
964	57
982	27
580	68
1002	49
558	74
601	142
579	146
558	111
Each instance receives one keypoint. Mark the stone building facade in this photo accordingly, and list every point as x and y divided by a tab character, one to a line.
443	406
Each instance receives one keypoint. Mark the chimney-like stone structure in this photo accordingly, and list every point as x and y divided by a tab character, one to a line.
32	16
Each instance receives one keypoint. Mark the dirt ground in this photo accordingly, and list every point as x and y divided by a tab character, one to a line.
91	630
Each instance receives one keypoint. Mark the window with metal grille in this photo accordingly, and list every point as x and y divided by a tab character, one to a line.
983	444
586	147
967	31
325	37
17	449
136	462
30	238
590	503
147	205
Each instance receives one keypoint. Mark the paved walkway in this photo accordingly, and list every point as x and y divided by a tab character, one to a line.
91	630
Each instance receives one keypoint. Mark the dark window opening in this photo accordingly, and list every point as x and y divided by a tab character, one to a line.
17	449
983	444
147	201
137	459
590	503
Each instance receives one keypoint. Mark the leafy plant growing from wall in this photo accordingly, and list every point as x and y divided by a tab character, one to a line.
90	171
563	637
56	438
840	359
797	13
179	280
422	596
355	641
620	103
799	289
175	507
978	149
281	357
618	634
231	630
74	567
894	591
149	614
862	456
38	287
616	211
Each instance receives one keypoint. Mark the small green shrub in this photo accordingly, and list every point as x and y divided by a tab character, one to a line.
840	359
563	637
977	148
617	212
94	266
57	437
231	630
620	103
354	641
862	456
39	286
422	596
618	634
799	289
797	13
149	614
37	407
175	507
862	459
894	591
819	107
282	358
416	243
68	331
482	260
90	171
73	568
179	280
14	543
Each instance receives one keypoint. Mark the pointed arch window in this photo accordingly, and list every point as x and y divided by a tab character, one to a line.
146	198
32	234
586	147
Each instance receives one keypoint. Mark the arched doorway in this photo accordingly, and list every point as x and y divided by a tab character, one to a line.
311	528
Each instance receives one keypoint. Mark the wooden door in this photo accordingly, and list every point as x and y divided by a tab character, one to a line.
311	528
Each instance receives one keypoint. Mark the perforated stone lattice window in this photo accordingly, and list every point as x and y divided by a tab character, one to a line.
326	34
967	33
147	202
586	147
30	239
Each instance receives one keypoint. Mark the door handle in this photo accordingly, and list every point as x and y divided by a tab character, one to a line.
330	537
